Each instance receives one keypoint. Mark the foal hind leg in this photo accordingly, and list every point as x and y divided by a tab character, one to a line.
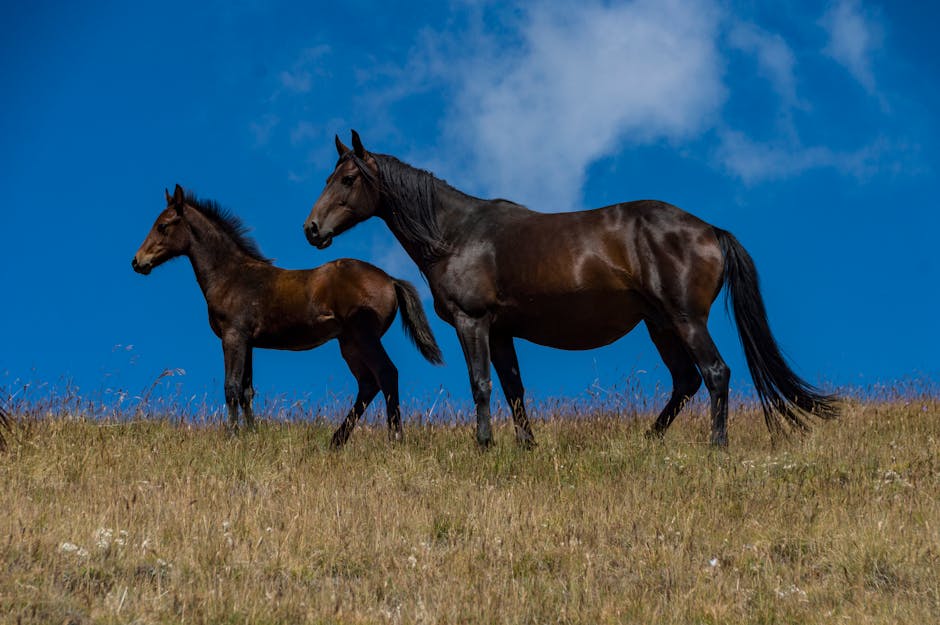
368	389
686	379
383	369
503	357
716	374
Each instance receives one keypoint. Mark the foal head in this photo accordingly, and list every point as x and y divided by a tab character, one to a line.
168	238
351	195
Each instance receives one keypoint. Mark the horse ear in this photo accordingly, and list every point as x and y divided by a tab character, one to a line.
358	150
341	147
169	198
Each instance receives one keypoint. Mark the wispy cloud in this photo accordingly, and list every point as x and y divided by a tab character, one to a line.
754	161
775	59
533	116
854	36
300	77
262	129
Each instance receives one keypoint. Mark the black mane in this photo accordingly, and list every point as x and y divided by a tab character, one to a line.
409	201
228	223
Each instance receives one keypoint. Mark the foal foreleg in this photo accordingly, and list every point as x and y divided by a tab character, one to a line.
474	339
234	348
503	356
248	391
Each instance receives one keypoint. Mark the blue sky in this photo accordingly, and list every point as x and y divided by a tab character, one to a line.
807	129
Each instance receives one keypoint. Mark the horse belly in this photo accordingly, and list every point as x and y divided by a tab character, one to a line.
574	321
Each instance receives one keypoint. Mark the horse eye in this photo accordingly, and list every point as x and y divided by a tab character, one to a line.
347	180
161	228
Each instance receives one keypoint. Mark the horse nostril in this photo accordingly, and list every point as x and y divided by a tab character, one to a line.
313	228
134	263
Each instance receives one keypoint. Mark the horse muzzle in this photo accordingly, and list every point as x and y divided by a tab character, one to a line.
142	268
320	240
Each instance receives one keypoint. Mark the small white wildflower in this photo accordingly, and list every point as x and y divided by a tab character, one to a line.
412	561
713	562
103	537
269	529
81	552
226	525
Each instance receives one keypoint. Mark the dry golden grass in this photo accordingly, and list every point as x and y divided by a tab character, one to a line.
152	522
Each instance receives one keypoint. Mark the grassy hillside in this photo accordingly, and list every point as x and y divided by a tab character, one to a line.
159	522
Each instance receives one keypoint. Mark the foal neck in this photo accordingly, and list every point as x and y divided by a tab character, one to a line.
214	255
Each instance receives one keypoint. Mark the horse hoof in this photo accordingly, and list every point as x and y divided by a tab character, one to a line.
653	434
526	441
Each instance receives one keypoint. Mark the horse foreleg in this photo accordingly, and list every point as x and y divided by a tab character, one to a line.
503	356
473	334
234	349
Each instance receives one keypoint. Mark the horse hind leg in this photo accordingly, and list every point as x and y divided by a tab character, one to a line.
695	337
686	379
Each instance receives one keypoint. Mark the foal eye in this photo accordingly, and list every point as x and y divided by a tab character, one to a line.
347	180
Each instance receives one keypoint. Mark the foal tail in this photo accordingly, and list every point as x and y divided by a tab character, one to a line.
414	323
780	390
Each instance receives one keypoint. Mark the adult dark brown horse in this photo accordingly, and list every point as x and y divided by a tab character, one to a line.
579	280
255	304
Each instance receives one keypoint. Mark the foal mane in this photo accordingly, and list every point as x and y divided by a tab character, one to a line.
409	198
228	223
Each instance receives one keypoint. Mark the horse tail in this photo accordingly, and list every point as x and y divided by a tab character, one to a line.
780	390
414	323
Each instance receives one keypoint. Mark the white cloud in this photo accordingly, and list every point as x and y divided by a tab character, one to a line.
580	84
853	38
754	162
774	57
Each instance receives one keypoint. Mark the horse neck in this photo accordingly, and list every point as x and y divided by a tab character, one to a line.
215	257
450	212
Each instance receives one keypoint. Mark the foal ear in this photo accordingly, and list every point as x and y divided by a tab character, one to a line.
340	146
179	200
358	150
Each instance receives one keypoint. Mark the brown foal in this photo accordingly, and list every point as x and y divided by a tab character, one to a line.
252	304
